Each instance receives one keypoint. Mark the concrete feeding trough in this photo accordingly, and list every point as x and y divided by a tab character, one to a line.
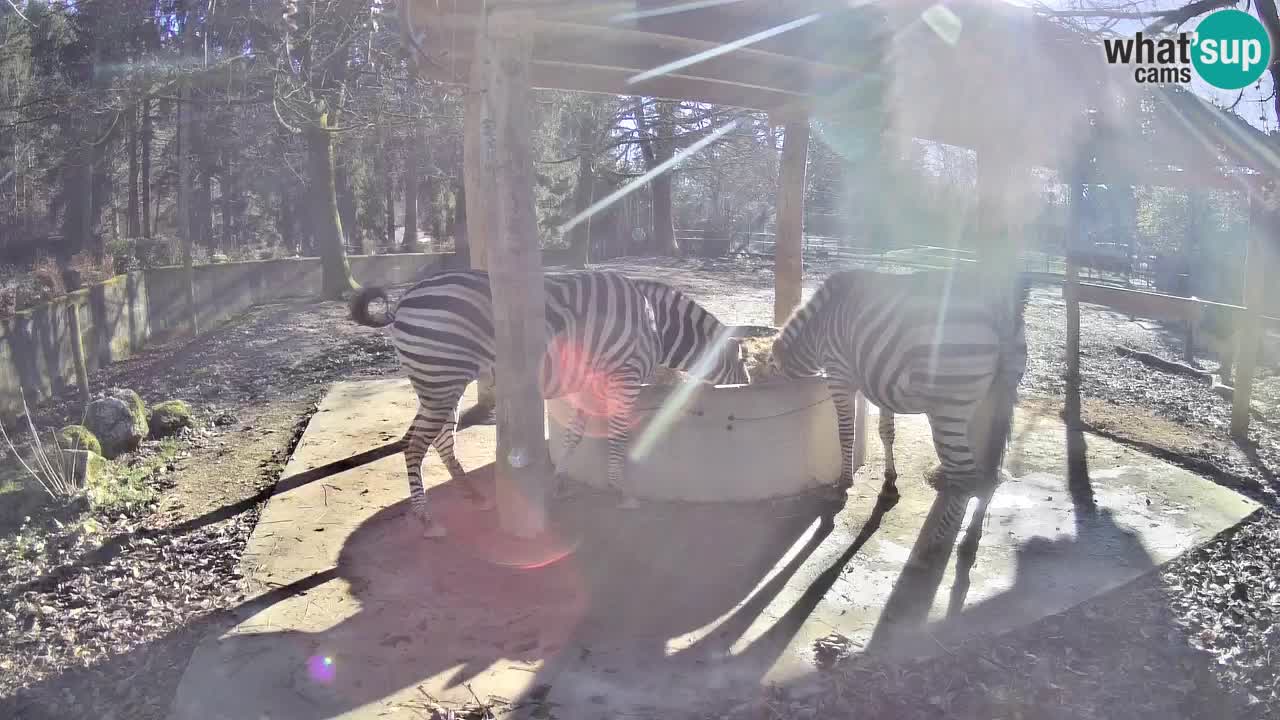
713	444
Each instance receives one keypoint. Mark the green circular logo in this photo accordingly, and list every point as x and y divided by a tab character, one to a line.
1232	49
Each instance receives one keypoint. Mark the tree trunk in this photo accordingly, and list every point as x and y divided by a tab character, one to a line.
204	209
133	222
346	200
1257	262
228	203
285	224
409	242
328	223
147	134
583	194
427	210
77	188
185	192
386	173
664	229
389	229
461	241
657	147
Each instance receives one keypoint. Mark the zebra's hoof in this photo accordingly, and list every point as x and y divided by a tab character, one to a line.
628	503
563	487
889	497
834	493
433	530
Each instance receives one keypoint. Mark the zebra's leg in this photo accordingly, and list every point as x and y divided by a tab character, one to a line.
572	437
889	491
842	397
443	443
958	474
425	428
973	533
626	389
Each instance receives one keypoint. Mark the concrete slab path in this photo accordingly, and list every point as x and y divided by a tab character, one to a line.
631	613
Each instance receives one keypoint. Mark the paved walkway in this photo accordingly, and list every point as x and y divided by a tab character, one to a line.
625	613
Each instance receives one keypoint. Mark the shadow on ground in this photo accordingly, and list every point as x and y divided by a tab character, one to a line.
434	617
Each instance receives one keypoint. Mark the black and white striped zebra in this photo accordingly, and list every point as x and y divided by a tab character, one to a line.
443	332
947	344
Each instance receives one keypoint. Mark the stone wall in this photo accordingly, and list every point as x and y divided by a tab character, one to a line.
120	316
228	289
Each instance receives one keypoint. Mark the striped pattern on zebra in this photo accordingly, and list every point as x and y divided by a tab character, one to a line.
948	344
443	332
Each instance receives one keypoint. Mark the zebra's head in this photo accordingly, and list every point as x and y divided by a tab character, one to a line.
723	361
787	359
731	366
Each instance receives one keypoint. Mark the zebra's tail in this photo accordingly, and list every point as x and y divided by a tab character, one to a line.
1011	365
360	301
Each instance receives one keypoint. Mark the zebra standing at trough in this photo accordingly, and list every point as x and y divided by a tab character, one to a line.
948	344
442	329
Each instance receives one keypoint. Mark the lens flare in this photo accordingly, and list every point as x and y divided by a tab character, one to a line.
321	668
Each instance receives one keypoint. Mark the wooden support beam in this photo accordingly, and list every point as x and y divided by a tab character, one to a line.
515	273
478	181
480	185
1071	289
1255	267
788	262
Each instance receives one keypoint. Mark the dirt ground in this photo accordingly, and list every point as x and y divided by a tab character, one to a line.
100	613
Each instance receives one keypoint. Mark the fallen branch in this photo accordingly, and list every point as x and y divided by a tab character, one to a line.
1208	378
1211	381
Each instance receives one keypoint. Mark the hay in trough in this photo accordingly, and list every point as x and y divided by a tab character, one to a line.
758	342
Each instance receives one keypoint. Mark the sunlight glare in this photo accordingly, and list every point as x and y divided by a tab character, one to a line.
679	399
722	49
944	22
639	182
670	10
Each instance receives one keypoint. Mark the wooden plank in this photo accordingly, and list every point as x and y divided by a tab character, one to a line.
515	273
1255	267
1140	303
788	261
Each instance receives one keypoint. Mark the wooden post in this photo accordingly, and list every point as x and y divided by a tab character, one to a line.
1070	289
788	260
77	350
515	272
479	188
1256	262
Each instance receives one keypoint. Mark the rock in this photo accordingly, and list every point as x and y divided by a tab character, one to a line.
118	419
84	467
78	437
170	418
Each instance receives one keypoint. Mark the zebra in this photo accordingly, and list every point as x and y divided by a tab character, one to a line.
442	329
942	343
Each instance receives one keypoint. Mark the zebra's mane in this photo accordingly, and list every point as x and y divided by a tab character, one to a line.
671	307
803	317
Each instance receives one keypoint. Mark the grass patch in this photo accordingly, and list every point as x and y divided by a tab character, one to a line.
130	488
